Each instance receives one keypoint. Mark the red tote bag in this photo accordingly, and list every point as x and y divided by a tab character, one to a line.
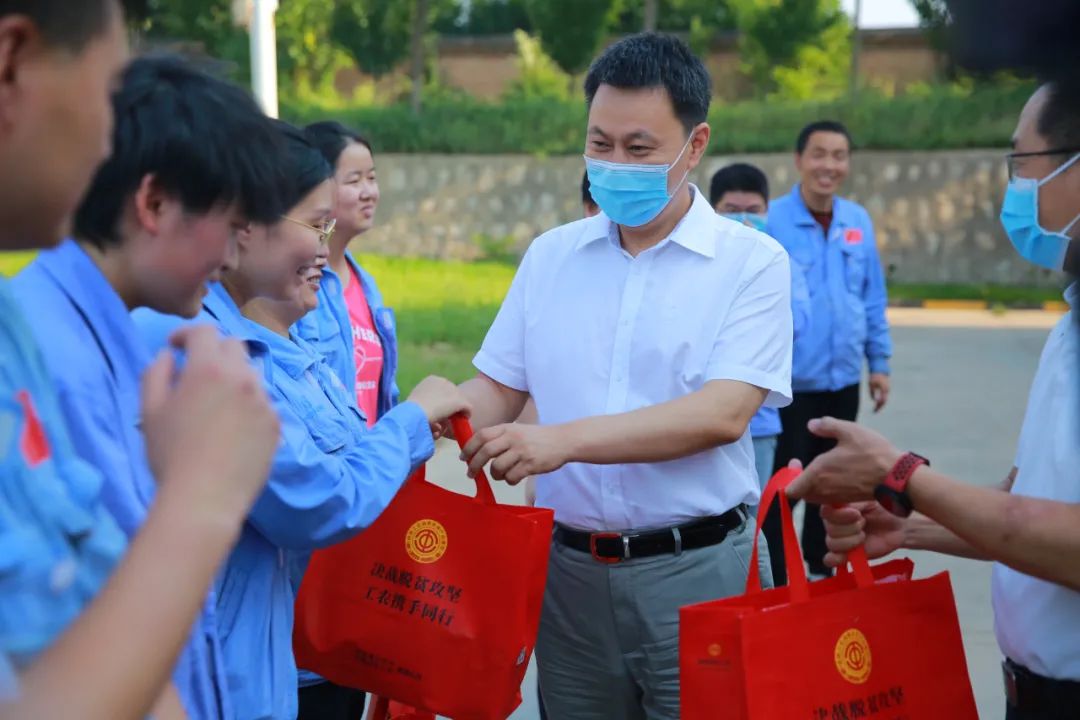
870	643
435	606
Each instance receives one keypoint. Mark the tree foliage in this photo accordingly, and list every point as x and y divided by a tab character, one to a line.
570	30
796	48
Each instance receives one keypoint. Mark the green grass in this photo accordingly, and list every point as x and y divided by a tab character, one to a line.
444	309
994	294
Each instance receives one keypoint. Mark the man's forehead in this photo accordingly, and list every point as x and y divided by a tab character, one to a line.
627	111
1026	137
742	197
826	138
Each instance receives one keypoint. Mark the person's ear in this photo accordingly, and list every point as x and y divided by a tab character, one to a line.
150	201
19	40
699	142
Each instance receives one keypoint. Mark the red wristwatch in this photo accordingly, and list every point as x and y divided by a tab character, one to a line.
892	494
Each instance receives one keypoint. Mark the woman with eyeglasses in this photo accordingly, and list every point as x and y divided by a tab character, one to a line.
355	332
332	475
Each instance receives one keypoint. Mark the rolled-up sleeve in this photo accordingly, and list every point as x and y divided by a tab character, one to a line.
754	342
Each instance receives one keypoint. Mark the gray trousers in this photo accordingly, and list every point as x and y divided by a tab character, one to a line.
608	647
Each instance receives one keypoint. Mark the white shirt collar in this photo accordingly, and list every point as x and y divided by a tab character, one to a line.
694	231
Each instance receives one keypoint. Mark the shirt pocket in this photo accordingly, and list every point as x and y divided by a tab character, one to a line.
322	420
854	258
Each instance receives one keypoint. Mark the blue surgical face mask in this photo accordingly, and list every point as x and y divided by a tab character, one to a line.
1020	217
754	220
632	195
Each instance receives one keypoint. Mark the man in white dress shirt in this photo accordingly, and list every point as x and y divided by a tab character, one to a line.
648	337
1030	525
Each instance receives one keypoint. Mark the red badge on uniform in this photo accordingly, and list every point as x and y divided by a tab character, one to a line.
853	236
33	444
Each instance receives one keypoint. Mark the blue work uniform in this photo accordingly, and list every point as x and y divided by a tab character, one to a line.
58	544
331	477
95	360
847	293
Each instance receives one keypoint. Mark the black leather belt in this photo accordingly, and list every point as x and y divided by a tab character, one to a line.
614	547
1036	695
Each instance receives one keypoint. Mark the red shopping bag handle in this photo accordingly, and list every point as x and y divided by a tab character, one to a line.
797	580
463	431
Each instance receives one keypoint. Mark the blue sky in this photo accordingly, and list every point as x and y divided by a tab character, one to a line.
884	13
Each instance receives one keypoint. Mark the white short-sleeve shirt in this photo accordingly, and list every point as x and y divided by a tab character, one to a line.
589	330
1038	622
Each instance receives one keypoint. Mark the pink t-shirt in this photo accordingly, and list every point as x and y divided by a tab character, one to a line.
367	348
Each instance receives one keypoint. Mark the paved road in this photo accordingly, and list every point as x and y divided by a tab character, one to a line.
960	382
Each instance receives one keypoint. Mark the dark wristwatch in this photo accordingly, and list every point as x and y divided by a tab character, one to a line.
892	494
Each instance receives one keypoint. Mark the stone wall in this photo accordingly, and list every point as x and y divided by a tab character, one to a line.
935	213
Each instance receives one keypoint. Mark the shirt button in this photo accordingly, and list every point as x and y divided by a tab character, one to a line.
63	575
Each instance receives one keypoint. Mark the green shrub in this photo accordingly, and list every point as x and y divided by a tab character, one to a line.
929	118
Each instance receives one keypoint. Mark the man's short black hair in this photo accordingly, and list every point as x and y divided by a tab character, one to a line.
204	140
331	138
653	60
305	165
70	24
586	194
1059	120
831	126
738	177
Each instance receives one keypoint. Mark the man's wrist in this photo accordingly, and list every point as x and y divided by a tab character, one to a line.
180	513
918	487
569	438
886	460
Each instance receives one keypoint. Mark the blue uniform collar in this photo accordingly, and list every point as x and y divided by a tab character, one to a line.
1072	295
100	307
802	213
291	354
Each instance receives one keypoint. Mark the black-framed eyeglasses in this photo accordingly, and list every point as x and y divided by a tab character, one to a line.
1011	158
325	232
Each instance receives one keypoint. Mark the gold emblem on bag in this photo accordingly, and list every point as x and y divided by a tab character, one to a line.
426	541
852	657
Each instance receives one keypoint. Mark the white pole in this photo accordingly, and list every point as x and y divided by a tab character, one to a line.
264	55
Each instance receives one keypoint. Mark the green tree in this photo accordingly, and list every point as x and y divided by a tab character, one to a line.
375	33
570	30
304	55
482	17
539	78
934	17
307	55
207	24
680	16
794	48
